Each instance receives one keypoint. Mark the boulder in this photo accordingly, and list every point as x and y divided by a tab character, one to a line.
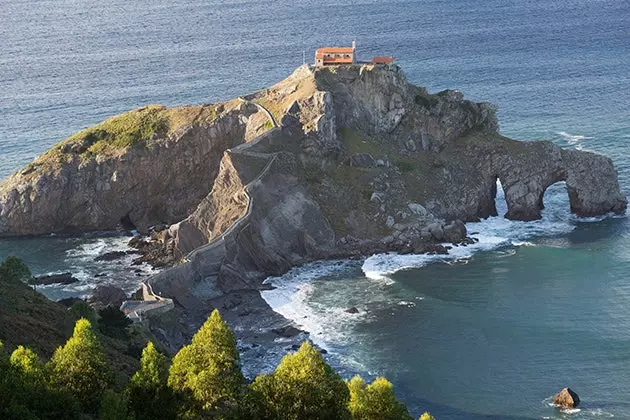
437	231
106	294
352	310
111	256
287	332
360	160
62	278
567	398
455	231
377	197
417	209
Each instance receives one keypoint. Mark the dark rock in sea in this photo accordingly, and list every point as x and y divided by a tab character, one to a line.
566	398
287	332
68	302
352	310
113	255
100	275
106	294
323	351
62	278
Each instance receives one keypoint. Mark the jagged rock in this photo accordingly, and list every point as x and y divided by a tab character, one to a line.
111	256
287	332
437	231
62	278
68	302
360	160
454	232
106	295
566	398
389	222
352	310
377	197
417	209
244	201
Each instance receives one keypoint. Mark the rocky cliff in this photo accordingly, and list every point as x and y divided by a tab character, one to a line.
362	161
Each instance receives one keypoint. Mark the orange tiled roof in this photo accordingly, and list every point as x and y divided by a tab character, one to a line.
335	50
329	60
383	60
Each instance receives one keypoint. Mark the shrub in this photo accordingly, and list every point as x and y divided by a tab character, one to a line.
303	386
79	367
12	269
375	401
208	370
149	395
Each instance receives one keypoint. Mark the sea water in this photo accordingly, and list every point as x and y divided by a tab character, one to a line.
491	331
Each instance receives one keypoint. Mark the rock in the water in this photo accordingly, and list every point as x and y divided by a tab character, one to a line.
352	310
111	256
287	332
455	231
106	295
62	278
567	398
68	302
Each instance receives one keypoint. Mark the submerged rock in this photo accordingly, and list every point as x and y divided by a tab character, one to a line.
567	398
62	278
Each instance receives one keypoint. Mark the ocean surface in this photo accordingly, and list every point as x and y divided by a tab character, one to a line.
491	331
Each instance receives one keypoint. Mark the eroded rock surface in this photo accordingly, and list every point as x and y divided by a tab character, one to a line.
567	398
363	162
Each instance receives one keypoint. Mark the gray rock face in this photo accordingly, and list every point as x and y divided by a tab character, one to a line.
105	295
242	206
525	171
158	184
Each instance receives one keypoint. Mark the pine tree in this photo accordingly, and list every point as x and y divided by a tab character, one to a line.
27	362
12	269
114	406
79	367
149	395
208	370
303	386
375	401
426	416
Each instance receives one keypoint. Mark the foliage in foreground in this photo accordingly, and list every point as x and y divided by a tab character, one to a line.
204	381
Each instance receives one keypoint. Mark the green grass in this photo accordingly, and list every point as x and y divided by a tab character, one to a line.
356	142
119	133
126	130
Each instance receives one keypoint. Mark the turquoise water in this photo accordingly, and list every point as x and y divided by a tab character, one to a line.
491	332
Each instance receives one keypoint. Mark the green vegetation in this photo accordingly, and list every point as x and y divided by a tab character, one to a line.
426	416
208	370
303	386
356	142
79	367
117	134
204	381
375	401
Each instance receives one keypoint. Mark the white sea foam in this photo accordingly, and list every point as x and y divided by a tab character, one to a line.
572	139
311	297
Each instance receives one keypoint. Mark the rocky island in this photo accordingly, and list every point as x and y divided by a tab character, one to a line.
332	162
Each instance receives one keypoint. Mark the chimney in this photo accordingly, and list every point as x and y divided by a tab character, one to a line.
354	45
